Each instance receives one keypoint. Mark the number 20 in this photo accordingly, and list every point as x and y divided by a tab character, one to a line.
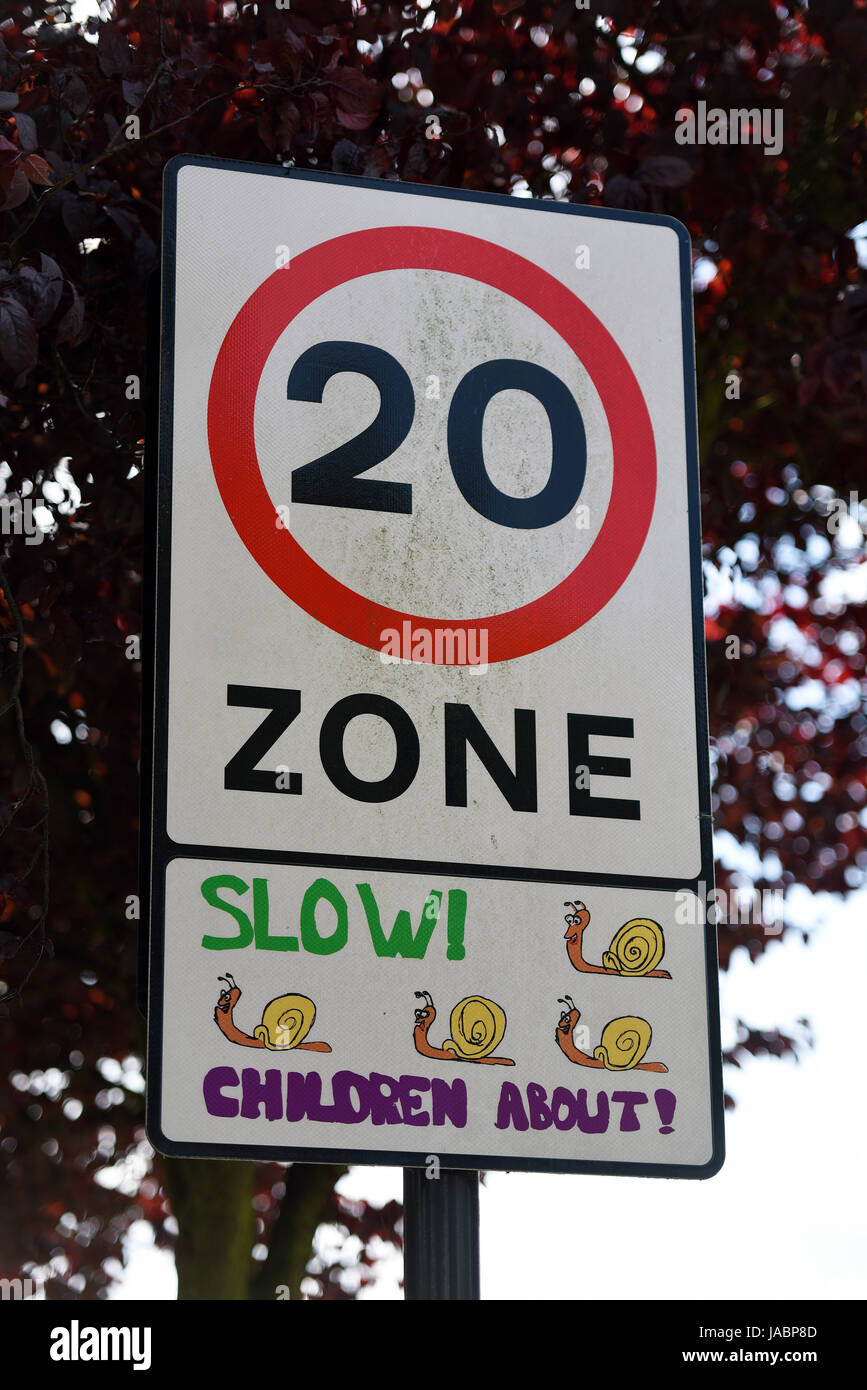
334	479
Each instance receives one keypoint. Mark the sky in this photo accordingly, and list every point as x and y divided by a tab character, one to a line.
786	1216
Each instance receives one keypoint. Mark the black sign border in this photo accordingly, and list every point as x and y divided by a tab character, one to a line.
157	847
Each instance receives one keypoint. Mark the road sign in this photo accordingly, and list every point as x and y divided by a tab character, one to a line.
431	823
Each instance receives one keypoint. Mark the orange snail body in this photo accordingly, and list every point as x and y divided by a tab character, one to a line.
285	1021
636	950
624	1042
477	1028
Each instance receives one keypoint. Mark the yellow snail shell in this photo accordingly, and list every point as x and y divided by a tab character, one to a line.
477	1026
636	949
286	1021
624	1043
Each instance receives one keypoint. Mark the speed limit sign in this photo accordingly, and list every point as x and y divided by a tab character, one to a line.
430	827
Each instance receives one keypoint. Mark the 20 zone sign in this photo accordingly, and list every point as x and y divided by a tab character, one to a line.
429	800
335	479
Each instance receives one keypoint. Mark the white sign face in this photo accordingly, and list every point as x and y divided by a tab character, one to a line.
431	803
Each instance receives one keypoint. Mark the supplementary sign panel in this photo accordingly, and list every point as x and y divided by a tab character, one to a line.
431	835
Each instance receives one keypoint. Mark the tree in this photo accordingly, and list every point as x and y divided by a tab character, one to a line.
534	99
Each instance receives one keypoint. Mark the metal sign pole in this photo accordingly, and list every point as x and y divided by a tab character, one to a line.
441	1235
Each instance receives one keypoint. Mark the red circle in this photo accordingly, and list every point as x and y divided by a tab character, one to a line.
231	403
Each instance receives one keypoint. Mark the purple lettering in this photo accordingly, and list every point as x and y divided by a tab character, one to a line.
666	1103
409	1102
255	1092
385	1100
540	1115
384	1095
343	1110
449	1102
592	1124
297	1087
212	1088
560	1098
629	1099
510	1110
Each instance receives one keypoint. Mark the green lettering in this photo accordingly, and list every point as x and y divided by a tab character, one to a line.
311	938
264	942
210	888
401	942
457	916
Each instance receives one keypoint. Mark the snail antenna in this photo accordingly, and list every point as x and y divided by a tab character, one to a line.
423	994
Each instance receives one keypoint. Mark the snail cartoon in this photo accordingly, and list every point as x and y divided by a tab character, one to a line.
285	1021
477	1027
637	948
623	1044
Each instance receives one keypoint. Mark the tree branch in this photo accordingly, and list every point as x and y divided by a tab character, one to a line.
305	1205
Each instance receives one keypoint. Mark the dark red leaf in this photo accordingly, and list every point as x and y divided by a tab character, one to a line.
623	192
125	220
27	133
323	116
37	170
664	171
356	98
43	286
71	326
19	344
133	92
80	215
74	94
16	190
279	55
265	128
288	125
347	158
113	52
353	120
30	589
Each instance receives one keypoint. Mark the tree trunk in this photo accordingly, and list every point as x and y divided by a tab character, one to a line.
212	1201
306	1204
